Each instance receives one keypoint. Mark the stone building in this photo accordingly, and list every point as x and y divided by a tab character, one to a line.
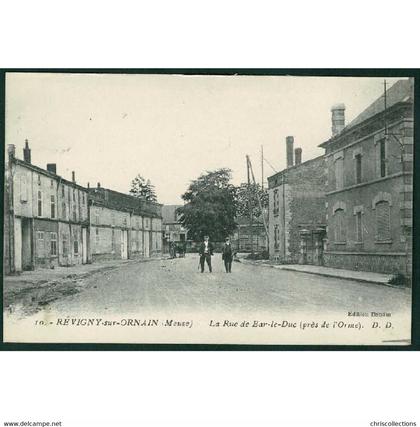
46	216
369	190
123	226
297	209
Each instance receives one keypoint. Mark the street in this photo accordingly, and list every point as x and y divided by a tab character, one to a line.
178	286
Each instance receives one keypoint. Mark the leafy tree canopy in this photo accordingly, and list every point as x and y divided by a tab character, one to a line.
143	189
249	194
210	206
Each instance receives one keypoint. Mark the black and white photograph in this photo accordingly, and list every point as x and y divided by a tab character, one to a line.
171	208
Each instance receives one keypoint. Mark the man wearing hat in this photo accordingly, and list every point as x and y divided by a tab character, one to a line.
227	255
205	252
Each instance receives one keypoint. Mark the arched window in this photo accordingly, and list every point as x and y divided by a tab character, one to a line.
383	226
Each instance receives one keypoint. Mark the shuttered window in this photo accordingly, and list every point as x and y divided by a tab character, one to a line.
359	235
276	237
358	160
383	228
340	229
339	173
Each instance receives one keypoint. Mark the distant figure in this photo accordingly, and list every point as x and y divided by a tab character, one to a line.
172	250
227	255
205	252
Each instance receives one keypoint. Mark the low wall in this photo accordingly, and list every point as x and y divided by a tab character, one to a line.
378	263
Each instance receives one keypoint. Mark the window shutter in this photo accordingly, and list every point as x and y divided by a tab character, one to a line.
383	221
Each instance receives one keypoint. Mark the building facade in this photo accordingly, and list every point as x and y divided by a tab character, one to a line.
46	216
173	230
297	219
247	238
123	226
369	190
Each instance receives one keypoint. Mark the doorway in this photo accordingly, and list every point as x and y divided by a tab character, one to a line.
84	246
124	244
27	244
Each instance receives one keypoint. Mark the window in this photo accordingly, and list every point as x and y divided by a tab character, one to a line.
39	179
276	237
39	203
74	195
358	159
75	244
52	183
112	240
52	207
40	248
63	210
276	202
53	244
382	158
340	228
65	245
23	189
339	175
97	236
74	212
359	234
62	191
383	228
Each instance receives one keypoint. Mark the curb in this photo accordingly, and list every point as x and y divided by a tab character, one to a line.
326	274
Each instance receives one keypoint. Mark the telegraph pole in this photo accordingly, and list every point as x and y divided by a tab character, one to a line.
251	231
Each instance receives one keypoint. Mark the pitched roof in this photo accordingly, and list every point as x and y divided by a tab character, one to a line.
401	91
169	213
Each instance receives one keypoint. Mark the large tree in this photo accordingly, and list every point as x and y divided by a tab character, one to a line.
210	206
143	189
248	195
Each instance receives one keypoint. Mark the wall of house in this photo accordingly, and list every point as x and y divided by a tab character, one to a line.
370	253
301	205
392	255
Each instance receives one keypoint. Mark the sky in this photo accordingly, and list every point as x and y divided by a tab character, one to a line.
171	128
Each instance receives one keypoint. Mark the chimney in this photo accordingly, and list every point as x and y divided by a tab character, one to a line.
99	185
73	176
52	167
11	151
27	152
337	118
298	156
289	150
88	185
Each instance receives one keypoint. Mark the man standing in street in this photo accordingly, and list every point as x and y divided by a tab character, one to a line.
227	255
205	252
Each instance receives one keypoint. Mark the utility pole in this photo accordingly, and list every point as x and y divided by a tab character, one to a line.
249	166
251	231
397	136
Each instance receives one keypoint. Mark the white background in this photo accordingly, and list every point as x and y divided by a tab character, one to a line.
209	388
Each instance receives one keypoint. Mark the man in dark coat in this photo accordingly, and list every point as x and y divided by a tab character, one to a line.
227	255
206	252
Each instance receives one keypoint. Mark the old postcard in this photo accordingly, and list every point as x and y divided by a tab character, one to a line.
208	209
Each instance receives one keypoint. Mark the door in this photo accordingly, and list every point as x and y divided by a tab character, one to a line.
84	245
26	244
124	244
146	243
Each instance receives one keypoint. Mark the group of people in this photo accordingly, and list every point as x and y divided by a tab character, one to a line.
206	252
